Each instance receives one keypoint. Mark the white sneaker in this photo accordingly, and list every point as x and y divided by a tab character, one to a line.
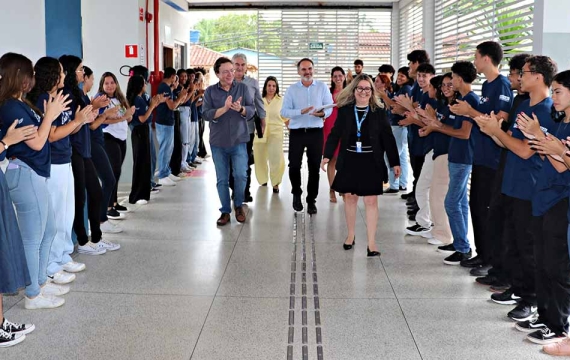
107	245
434	241
73	267
16	328
61	278
184	167
197	161
43	302
8	339
174	177
109	228
166	181
142	202
90	249
427	235
52	289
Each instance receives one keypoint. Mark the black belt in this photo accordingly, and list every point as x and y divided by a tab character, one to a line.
306	129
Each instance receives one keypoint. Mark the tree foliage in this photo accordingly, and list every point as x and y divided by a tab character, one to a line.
228	32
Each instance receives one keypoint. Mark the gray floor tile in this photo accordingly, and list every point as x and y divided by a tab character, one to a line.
11	300
466	329
244	328
156	267
109	326
365	329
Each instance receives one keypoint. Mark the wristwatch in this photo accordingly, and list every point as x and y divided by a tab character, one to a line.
5	146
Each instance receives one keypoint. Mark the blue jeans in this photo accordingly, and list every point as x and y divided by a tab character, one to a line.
401	136
196	136
165	136
152	156
30	195
238	156
457	205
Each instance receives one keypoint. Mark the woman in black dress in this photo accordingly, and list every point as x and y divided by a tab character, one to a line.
364	133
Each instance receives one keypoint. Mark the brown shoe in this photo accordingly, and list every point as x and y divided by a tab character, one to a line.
240	214
223	220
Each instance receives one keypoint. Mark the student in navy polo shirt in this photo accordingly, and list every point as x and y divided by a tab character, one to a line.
553	183
28	171
460	162
49	76
404	83
165	126
140	186
440	233
522	170
497	97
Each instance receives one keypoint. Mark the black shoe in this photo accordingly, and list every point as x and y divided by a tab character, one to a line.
412	217
391	191
507	297
480	271
522	312
486	280
531	325
247	199
446	248
456	258
474	262
411	201
405	196
499	286
413	211
372	253
349	246
15	328
121	208
545	336
417	230
311	208
403	189
264	184
276	190
114	214
297	203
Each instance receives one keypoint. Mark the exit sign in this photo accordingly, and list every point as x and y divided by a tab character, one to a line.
316	46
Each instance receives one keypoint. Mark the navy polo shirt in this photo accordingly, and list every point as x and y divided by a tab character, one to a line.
395	118
165	116
428	140
520	176
61	149
81	140
461	150
141	107
440	140
551	186
39	161
495	96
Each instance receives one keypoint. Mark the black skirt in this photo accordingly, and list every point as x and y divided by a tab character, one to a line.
360	175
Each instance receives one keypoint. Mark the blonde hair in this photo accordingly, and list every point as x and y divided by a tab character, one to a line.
346	96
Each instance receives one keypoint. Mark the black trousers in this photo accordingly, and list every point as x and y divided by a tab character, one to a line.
417	163
311	140
201	145
140	187
553	267
105	174
176	157
496	223
482	181
116	151
85	177
250	162
520	263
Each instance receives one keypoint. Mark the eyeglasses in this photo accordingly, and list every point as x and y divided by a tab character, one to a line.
363	89
82	70
522	72
227	72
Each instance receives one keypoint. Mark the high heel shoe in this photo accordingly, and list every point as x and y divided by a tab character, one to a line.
349	246
372	253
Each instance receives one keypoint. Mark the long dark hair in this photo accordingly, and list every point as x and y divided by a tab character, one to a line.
47	75
443	98
16	76
405	70
118	93
270	78
70	64
134	88
335	69
563	78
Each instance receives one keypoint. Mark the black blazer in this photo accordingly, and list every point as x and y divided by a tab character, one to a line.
381	138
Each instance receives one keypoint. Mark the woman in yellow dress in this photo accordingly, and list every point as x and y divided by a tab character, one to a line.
268	150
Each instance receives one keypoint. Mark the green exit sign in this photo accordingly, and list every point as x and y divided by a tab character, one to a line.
316	46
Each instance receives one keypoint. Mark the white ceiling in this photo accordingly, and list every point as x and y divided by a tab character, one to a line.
287	3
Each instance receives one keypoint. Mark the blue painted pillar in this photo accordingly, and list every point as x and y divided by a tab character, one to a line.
63	28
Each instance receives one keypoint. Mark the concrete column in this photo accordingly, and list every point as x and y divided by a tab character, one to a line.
395	53
552	31
428	24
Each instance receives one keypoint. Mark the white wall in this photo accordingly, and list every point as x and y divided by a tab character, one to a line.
23	28
552	31
179	29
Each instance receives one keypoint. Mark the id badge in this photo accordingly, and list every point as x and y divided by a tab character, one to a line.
358	146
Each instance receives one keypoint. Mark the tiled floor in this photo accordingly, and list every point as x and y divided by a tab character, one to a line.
181	288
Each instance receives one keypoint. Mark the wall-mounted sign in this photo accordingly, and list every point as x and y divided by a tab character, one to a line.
316	46
131	51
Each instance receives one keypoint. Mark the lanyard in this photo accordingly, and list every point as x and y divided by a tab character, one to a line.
359	122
